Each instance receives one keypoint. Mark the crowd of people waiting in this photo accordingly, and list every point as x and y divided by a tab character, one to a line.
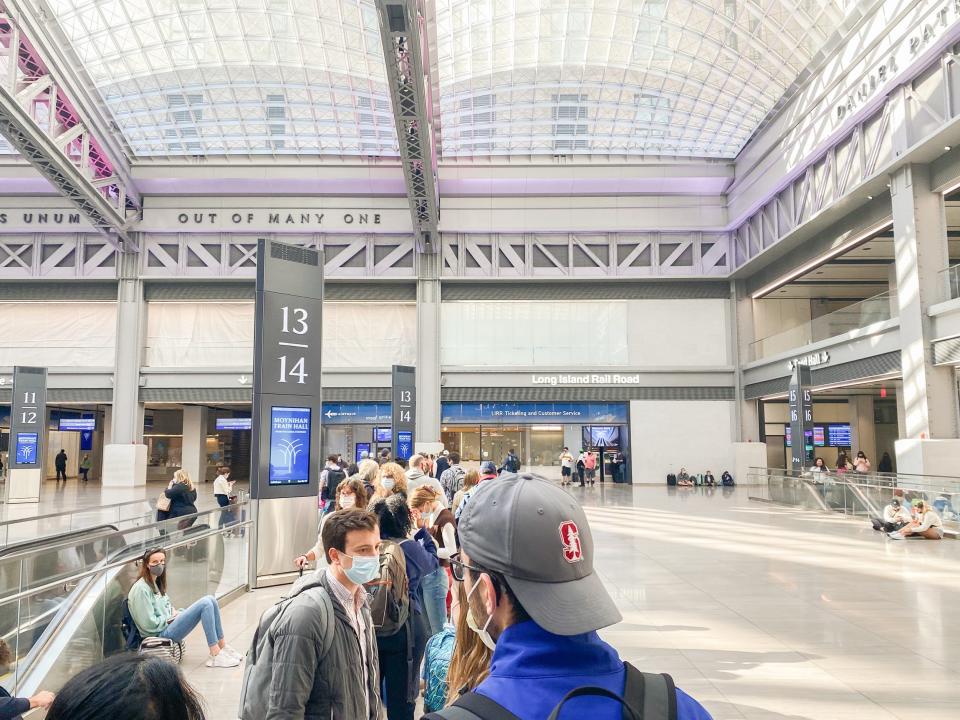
707	479
475	592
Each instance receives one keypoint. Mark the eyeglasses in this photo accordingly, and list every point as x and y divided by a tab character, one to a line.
457	567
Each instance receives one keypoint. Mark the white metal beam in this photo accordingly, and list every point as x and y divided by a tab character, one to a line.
405	51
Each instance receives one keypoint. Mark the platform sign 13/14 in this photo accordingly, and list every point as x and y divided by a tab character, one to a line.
291	345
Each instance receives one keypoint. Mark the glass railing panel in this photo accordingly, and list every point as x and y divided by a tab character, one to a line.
59	629
952	281
878	308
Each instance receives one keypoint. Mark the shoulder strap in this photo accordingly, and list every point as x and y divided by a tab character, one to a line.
655	693
473	705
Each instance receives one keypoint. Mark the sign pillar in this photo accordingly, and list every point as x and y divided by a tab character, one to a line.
28	435
285	450
801	418
404	410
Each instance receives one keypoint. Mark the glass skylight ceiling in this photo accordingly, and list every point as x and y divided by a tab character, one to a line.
215	77
674	78
634	77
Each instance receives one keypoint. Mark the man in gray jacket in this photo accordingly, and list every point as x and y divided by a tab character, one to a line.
315	653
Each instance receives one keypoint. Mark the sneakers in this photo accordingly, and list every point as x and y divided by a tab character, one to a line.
895	536
223	660
230	650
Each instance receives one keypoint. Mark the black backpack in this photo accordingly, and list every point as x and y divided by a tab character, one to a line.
131	633
335	476
646	696
512	463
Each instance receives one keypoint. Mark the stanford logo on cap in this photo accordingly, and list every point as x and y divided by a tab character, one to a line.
570	535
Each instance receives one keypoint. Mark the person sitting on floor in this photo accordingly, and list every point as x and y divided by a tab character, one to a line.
895	517
709	479
683	478
727	479
927	524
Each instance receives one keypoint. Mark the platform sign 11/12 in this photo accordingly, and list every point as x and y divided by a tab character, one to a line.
28	417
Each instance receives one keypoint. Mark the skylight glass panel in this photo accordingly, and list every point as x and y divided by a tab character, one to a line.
688	78
212	77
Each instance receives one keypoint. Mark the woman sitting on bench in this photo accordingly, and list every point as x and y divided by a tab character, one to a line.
155	615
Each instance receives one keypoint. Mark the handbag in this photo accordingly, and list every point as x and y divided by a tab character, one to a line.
163	503
163	648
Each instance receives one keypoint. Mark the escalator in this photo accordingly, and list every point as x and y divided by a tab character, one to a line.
60	596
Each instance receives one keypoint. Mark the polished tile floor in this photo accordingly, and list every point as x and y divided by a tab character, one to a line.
760	612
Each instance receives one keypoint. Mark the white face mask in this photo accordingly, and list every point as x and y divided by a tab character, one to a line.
348	501
485	637
387	483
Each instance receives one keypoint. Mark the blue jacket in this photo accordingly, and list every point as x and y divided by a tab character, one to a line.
421	556
533	669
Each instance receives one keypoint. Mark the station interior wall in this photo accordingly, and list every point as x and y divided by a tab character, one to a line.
666	436
58	334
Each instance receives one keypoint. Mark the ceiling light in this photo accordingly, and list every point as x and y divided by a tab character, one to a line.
869	197
947	148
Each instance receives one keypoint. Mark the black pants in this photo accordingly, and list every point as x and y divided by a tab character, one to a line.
395	674
84	471
580	471
225	515
62	473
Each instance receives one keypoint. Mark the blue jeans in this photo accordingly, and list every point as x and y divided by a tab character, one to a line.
205	611
434	587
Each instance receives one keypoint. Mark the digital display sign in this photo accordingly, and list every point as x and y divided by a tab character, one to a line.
234	423
601	436
839	435
289	445
404	444
359	451
77	424
382	435
815	436
27	448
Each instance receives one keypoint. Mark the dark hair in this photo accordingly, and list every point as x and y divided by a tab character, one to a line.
501	585
331	458
393	514
402	463
158	584
6	656
337	525
454	457
128	686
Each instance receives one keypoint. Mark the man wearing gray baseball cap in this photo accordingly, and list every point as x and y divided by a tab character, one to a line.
526	562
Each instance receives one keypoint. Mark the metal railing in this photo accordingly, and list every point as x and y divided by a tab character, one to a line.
133	512
59	621
858	494
878	308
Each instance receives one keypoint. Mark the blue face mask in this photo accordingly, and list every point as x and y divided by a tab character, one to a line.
388	483
364	568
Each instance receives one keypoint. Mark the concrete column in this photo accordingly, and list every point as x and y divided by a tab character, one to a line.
929	399
863	430
194	454
125	458
746	426
428	352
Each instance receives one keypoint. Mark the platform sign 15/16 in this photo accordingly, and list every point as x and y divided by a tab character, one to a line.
287	383
801	417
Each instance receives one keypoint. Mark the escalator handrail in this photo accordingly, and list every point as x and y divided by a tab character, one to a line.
162	524
79	511
119	563
55	542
